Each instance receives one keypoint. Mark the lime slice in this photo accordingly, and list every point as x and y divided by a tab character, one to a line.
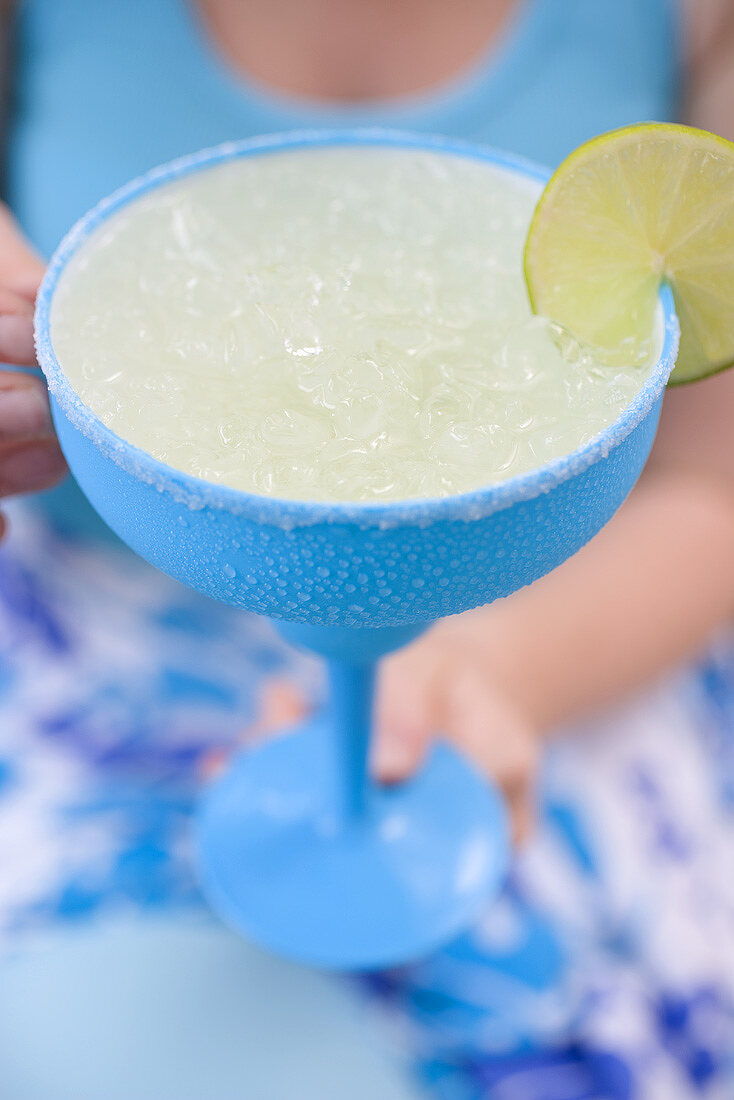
625	212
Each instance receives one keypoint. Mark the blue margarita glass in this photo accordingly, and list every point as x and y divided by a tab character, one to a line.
297	847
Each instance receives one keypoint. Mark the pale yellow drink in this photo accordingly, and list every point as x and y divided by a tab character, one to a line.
331	324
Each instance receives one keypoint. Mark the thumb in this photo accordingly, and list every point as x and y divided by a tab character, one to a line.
404	718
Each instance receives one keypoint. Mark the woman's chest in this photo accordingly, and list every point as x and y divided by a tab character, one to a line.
106	90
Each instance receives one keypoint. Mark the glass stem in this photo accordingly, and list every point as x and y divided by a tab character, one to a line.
352	688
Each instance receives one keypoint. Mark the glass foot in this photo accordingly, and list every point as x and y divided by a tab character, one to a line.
282	867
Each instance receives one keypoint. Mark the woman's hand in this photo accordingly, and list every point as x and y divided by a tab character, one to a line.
440	686
444	685
30	457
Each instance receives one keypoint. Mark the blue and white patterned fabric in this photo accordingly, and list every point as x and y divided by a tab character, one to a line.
606	970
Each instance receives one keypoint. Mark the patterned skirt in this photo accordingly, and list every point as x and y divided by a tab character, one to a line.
606	968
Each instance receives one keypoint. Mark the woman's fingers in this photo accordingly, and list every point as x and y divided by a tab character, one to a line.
16	329
21	269
485	728
280	705
24	409
30	467
30	457
426	692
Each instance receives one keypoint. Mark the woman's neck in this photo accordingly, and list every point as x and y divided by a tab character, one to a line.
353	50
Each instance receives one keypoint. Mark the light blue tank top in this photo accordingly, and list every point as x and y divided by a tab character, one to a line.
105	89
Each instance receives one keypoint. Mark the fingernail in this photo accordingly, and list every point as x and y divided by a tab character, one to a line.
394	758
16	339
31	467
24	411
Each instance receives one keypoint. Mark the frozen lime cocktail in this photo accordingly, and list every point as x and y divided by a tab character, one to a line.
334	335
344	324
